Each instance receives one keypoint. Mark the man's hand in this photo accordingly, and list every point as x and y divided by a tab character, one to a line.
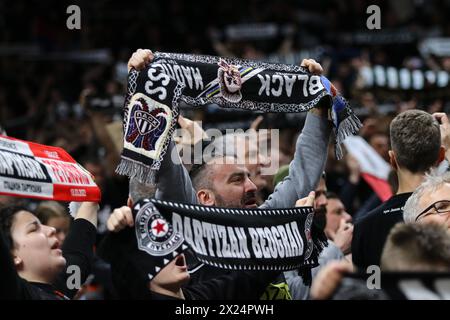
313	66
140	59
119	219
445	132
307	201
343	236
328	279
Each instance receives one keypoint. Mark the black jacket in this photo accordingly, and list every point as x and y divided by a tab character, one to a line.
231	286
207	283
370	234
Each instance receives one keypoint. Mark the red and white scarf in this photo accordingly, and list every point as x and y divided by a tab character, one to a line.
38	171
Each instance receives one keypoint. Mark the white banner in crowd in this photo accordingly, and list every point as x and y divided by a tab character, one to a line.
403	79
436	46
374	169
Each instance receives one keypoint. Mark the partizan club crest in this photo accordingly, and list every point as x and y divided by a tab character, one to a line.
154	234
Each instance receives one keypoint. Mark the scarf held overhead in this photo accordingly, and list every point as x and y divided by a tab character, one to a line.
153	95
34	170
234	239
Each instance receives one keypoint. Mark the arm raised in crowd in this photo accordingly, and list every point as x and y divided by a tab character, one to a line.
309	158
99	125
78	248
140	59
173	181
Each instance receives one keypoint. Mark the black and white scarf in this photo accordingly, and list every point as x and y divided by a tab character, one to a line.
32	170
151	104
233	239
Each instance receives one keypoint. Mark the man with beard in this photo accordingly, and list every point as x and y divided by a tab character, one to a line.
247	149
224	182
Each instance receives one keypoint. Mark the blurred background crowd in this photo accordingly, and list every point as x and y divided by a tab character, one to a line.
66	87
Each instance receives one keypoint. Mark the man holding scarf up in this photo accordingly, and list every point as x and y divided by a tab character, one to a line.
223	182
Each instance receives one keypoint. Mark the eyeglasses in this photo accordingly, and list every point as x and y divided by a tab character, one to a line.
441	207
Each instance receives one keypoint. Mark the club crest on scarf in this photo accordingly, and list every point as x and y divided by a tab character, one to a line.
153	233
148	124
145	121
230	81
246	239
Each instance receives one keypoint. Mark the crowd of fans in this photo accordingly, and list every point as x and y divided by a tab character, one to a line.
66	88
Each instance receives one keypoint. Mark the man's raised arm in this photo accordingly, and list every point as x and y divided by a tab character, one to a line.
309	158
173	182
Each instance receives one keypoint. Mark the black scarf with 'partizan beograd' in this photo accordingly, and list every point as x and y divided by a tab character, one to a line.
151	104
233	239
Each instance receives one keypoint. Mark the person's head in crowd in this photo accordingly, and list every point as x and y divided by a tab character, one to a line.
370	127
223	182
409	104
320	203
232	176
416	247
174	275
245	148
436	106
269	158
430	202
172	278
138	190
335	213
380	143
415	142
53	214
368	101
94	166
34	247
6	201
